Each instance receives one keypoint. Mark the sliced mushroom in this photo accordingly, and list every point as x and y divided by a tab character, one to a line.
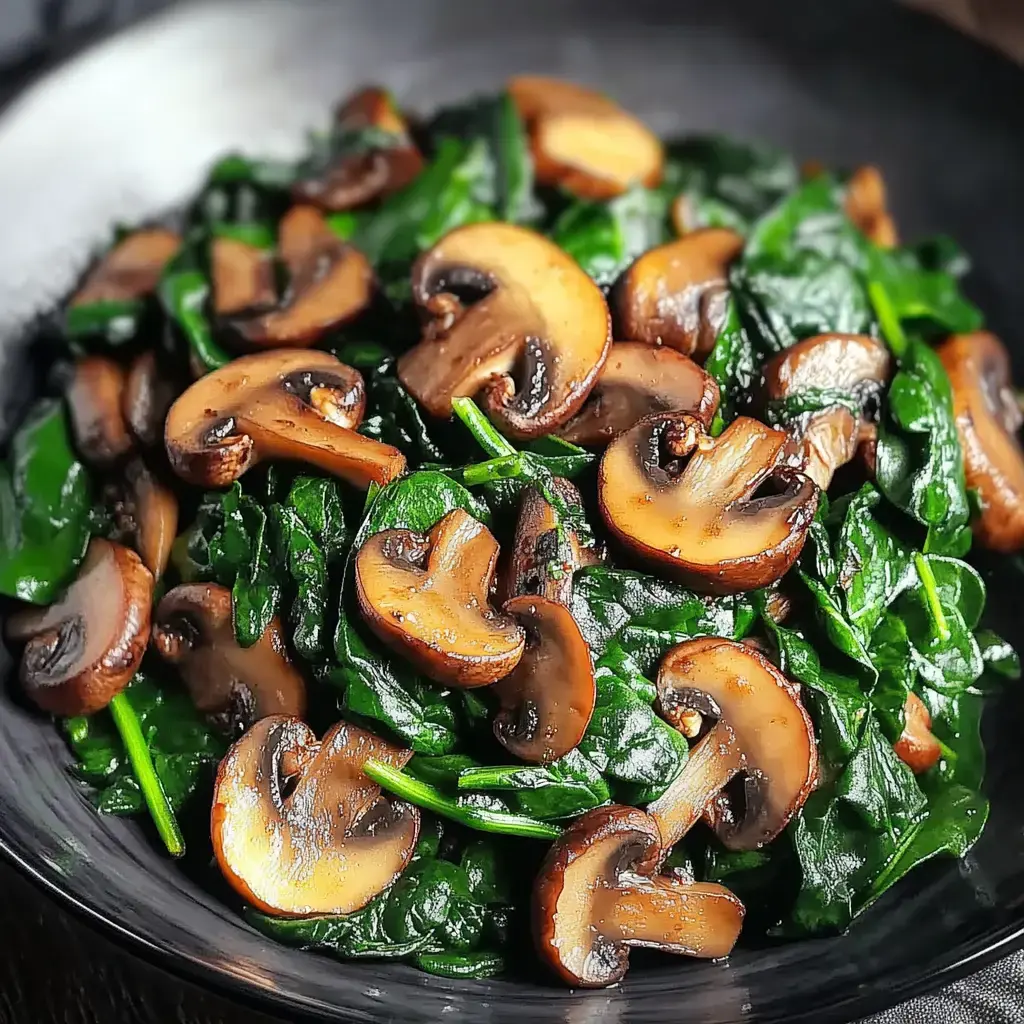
752	725
546	552
865	205
244	278
917	746
328	846
851	365
722	514
149	390
637	380
676	294
987	420
94	402
537	318
598	895
147	510
428	597
371	171
84	649
547	700
131	269
330	283
583	141
276	405
235	685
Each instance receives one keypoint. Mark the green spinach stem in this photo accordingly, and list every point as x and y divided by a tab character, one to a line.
426	796
135	744
489	776
931	593
504	467
481	428
892	329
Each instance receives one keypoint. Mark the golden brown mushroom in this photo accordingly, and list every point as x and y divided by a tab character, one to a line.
533	341
300	405
83	650
131	269
94	403
328	846
235	685
750	725
150	388
917	746
865	205
637	380
370	172
851	364
676	294
428	597
598	894
330	283
147	510
720	514
583	141
987	420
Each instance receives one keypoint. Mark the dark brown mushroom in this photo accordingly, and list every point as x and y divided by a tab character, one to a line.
193	629
537	319
851	365
94	403
131	269
676	294
147	511
637	380
276	405
750	726
428	597
721	514
362	173
547	700
584	142
987	420
298	829
84	649
330	283
865	205
917	746
598	895
150	388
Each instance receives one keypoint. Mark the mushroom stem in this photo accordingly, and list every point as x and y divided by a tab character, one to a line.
931	594
152	788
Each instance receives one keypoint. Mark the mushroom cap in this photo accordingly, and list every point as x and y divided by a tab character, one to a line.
330	283
131	269
583	141
154	515
987	420
917	746
427	596
866	206
735	684
244	278
149	390
540	319
84	649
357	178
94	403
676	294
193	629
597	895
638	380
332	843
547	700
703	522
276	405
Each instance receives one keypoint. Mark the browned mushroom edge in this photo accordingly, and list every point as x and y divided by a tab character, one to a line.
83	650
866	205
638	380
236	686
853	367
387	161
94	399
150	389
676	294
722	515
328	846
428	597
917	746
148	512
297	405
131	269
330	283
987	420
511	315
584	142
597	895
755	761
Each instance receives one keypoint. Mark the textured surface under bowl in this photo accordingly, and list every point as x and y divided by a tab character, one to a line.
127	129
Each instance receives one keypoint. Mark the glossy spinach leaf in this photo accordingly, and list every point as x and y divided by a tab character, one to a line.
733	365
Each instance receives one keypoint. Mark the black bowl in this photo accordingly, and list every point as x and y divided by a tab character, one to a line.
126	130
